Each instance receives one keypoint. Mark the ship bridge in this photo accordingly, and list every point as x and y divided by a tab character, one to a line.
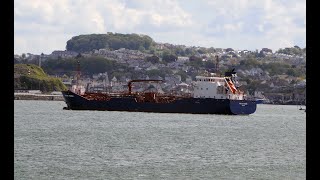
215	87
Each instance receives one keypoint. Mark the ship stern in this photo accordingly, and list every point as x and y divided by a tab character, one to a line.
242	107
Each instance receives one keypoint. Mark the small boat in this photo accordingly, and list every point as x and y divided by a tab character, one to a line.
260	101
305	109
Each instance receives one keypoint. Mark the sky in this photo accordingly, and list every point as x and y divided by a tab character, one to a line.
45	26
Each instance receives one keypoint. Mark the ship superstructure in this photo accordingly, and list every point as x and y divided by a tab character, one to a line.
217	88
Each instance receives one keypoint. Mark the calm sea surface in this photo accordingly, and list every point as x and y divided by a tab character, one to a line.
51	143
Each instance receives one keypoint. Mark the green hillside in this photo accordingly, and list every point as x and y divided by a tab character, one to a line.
30	76
112	41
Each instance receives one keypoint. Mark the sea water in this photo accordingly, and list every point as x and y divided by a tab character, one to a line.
52	143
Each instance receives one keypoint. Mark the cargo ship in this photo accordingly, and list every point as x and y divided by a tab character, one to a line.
212	94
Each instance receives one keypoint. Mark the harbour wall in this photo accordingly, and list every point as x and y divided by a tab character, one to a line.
44	97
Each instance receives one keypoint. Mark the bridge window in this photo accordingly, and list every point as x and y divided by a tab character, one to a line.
207	88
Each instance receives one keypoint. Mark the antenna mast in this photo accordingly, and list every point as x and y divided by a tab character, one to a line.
217	64
40	59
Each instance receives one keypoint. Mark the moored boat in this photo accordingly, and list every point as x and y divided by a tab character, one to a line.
212	95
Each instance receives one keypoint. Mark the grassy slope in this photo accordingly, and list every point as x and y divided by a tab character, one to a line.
35	78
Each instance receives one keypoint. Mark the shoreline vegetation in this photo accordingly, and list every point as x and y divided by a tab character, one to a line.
30	76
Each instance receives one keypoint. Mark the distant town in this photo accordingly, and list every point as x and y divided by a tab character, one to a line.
278	77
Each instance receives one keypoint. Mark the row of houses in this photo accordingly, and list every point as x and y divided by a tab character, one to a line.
135	58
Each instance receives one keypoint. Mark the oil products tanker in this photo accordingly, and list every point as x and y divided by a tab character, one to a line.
212	95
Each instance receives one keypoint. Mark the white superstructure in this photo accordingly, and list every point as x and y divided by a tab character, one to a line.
78	89
217	88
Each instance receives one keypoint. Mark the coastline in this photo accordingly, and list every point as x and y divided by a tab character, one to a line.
43	97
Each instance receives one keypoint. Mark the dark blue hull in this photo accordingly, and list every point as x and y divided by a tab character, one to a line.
180	105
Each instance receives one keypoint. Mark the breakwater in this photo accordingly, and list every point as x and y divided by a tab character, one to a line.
46	97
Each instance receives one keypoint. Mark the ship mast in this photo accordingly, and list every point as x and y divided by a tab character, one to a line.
78	73
78	78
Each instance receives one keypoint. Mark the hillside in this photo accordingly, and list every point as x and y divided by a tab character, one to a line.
30	76
112	41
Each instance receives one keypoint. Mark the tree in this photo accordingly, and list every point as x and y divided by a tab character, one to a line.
209	65
165	52
229	49
153	59
266	50
194	58
183	75
202	50
141	49
250	63
190	51
179	51
261	54
195	62
169	58
291	51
